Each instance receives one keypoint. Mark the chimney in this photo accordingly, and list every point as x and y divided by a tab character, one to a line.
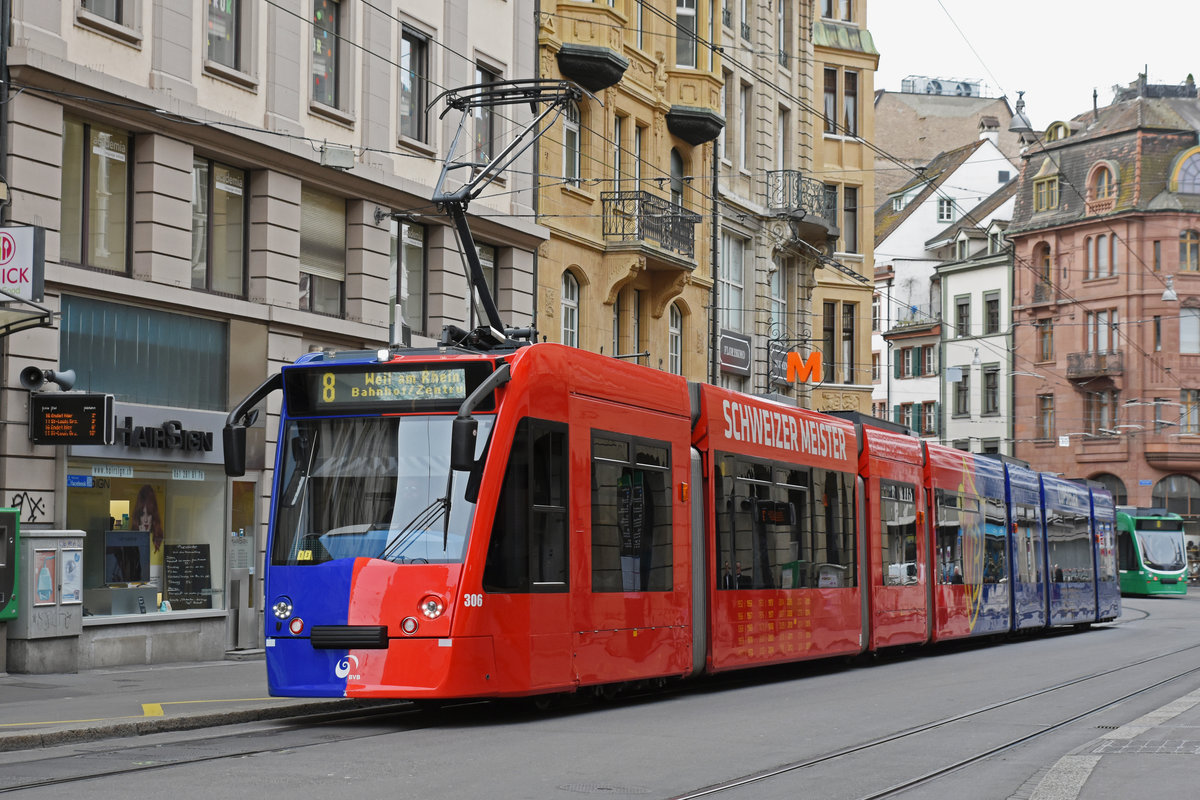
989	128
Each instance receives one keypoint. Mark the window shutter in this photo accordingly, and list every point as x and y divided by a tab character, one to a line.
937	418
322	234
896	413
897	357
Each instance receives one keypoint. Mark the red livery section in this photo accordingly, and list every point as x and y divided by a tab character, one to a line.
542	520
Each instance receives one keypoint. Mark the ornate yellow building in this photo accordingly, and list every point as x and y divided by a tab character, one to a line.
693	200
623	181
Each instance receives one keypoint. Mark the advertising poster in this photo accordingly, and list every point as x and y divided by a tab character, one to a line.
146	516
45	591
72	575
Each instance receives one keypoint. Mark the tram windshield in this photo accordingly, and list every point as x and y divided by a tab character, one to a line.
372	487
1161	549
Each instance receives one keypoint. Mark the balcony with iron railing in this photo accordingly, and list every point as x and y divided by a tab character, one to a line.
1095	364
811	209
642	217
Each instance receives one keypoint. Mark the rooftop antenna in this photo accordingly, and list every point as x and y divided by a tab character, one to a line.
545	98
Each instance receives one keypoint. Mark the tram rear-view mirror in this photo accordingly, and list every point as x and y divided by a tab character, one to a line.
462	444
234	437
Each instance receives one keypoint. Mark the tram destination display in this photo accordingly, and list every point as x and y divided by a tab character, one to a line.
381	388
70	418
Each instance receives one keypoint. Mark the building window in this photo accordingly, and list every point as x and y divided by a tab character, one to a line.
1102	184
876	312
1189	412
1157	334
111	10
570	310
722	143
995	242
962	394
962	316
945	210
218	228
1002	176
1189	251
487	265
991	390
1101	331
637	322
485	120
676	178
1187	177
182	361
850	103
929	426
991	312
831	94
1099	412
1045	339
840	10
1157	255
224	33
95	196
675	340
778	299
1189	330
849	316
1045	416
876	375
618	151
733	251
929	359
326	49
1101	256
1045	194
685	33
1041	257
414	85
322	252
850	219
831	203
571	159
829	341
747	127
406	281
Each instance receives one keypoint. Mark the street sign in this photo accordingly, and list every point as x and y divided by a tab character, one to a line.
70	418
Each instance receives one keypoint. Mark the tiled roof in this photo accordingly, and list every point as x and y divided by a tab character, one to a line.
936	172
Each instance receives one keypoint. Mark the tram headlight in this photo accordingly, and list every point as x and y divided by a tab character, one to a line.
432	606
282	608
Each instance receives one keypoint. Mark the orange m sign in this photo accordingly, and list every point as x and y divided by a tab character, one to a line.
804	370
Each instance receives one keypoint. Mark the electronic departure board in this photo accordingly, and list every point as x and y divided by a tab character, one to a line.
390	388
70	418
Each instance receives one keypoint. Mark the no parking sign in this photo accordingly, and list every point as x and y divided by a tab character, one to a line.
22	262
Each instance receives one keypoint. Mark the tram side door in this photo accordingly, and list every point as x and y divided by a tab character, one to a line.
631	550
899	574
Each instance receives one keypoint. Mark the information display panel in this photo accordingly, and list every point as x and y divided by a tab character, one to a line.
71	418
382	388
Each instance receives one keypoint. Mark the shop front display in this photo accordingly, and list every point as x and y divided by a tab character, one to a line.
154	508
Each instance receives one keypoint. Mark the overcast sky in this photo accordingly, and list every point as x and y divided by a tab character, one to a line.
1056	51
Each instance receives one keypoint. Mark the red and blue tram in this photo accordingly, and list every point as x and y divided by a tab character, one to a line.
541	519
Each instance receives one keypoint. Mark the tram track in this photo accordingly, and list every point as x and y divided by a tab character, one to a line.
791	769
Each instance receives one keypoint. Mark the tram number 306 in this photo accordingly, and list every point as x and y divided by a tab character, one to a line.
472	600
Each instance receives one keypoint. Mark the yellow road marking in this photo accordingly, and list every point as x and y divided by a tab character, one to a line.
148	710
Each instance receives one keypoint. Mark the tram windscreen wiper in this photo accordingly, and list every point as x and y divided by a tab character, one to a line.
419	524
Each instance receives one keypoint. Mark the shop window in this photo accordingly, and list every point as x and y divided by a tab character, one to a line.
141	355
632	533
96	182
154	543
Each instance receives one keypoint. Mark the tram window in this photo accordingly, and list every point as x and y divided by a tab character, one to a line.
632	534
1027	524
783	527
1070	546
898	543
1125	554
528	549
970	539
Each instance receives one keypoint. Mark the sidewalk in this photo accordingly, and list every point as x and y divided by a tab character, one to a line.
1138	757
45	710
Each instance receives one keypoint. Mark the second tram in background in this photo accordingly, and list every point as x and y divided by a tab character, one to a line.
1152	556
